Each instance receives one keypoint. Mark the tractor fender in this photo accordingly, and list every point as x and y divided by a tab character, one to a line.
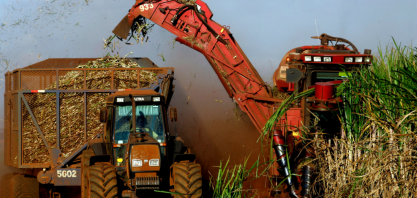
98	146
184	157
99	158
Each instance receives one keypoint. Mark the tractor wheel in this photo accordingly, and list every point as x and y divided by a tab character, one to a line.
5	185
187	180
22	186
102	181
85	163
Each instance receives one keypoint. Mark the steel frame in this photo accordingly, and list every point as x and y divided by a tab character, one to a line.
163	73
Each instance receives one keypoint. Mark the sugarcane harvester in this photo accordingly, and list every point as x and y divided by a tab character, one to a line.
300	69
104	129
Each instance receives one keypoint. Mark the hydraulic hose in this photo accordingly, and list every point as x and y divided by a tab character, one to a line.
307	174
280	151
307	180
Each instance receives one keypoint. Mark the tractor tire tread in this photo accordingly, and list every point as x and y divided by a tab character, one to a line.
194	172
5	188
193	166
183	190
103	180
95	194
188	181
93	176
22	186
182	177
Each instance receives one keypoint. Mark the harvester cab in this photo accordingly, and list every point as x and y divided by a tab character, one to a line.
321	67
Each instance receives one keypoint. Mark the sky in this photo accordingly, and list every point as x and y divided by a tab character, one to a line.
32	31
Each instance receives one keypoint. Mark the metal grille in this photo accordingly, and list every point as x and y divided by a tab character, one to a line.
71	122
125	79
35	80
34	150
95	101
43	106
146	77
71	80
98	79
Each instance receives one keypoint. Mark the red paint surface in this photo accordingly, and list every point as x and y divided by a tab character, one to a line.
324	90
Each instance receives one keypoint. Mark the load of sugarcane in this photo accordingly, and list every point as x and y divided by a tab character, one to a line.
72	133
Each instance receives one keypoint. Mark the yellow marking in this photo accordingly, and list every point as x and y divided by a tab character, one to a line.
120	160
222	30
295	134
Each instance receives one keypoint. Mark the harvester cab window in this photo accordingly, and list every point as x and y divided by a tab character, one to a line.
328	76
148	120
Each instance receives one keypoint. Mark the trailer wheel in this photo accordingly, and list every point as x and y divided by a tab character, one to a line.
102	181
187	180
22	186
5	185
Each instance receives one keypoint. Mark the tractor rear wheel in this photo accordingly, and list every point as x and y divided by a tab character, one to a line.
187	180
22	186
102	181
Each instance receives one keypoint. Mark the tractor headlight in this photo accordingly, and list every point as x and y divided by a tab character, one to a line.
327	59
348	59
317	59
154	162
367	59
137	163
120	99
358	59
307	58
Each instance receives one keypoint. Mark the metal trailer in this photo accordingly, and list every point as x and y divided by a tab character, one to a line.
52	151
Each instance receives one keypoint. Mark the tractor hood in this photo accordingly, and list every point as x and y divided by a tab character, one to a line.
144	153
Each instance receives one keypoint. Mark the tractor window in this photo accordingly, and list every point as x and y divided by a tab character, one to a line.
149	119
327	76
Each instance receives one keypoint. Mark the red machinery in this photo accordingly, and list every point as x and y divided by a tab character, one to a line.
300	69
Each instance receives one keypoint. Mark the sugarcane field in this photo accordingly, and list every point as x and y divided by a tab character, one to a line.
200	98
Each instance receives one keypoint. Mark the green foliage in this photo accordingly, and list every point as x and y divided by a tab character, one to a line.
229	181
383	95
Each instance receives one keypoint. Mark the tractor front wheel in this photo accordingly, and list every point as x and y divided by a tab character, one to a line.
102	181
187	180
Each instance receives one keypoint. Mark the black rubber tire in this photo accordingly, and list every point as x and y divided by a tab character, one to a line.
85	163
5	188
102	181
187	180
22	186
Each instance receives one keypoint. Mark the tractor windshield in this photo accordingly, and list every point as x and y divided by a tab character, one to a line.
148	120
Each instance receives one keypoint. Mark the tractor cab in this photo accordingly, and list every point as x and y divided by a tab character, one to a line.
138	128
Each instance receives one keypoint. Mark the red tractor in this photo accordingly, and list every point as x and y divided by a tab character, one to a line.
300	69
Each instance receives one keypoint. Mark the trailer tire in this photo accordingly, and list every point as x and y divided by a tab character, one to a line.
187	180
102	181
5	185
22	186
